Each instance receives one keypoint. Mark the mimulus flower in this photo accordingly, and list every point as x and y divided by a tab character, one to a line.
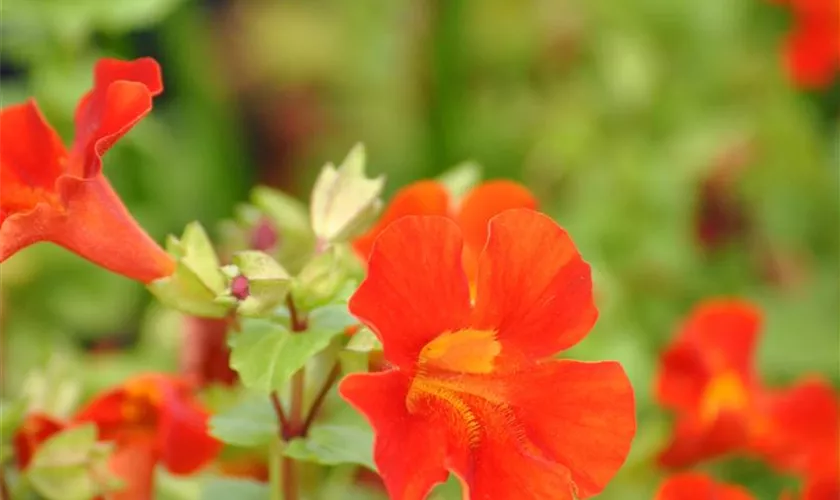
707	379
48	193
471	214
699	487
472	388
813	50
151	419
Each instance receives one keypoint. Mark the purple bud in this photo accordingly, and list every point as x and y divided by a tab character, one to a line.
239	287
264	237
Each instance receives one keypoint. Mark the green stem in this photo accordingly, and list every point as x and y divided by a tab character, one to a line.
275	474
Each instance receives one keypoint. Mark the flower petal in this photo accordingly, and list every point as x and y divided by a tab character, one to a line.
692	486
804	430
134	464
812	57
106	411
183	436
34	430
31	152
420	198
415	288
409	453
533	287
121	96
586	424
486	201
93	224
694	442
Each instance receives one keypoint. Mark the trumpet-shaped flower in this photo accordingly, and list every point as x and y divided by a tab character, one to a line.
692	486
472	213
472	388
707	379
151	419
48	193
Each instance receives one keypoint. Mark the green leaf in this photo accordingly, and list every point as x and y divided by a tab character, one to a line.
250	423
267	354
322	278
197	280
340	437
461	178
12	414
70	465
268	282
344	201
54	390
296	240
333	317
239	489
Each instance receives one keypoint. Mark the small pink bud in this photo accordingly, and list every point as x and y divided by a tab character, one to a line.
264	237
239	287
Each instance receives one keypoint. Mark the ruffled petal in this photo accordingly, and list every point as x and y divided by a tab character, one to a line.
420	198
415	288
533	289
34	430
31	159
93	224
183	436
486	201
812	55
106	411
692	486
121	96
409	453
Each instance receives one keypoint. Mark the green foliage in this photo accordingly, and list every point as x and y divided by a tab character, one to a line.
268	282
344	201
71	465
250	423
266	354
324	278
240	489
198	280
341	436
461	178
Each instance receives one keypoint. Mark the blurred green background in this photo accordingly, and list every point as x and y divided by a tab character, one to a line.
630	120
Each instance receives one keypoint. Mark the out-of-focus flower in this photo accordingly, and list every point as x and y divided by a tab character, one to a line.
721	217
151	419
245	467
466	387
34	430
50	194
205	356
707	379
812	52
692	486
804	435
472	214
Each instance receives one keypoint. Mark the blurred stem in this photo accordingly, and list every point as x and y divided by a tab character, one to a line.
275	474
319	399
294	426
4	488
446	85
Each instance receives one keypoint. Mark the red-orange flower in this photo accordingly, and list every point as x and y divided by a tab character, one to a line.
813	51
699	487
151	419
50	194
707	379
34	430
472	387
472	213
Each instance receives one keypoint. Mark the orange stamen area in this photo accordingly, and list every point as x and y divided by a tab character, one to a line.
456	377
140	408
463	351
726	392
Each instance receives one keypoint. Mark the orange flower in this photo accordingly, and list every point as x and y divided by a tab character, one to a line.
813	52
472	214
472	387
151	419
707	378
804	437
699	487
34	430
50	194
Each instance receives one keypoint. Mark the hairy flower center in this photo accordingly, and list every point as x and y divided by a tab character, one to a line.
726	392
463	351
